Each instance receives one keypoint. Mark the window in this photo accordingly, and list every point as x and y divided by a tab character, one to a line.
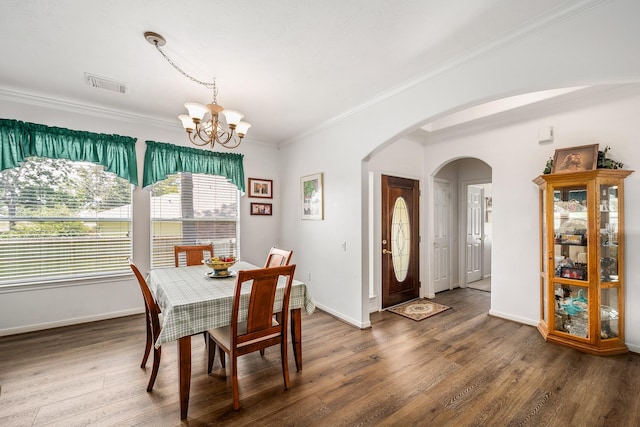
62	219
192	209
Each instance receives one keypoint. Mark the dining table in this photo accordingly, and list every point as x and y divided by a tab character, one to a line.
192	300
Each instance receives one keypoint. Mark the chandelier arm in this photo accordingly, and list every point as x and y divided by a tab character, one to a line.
237	142
200	135
223	137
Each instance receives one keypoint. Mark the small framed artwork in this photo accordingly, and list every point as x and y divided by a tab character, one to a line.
573	273
311	195
261	209
575	159
261	188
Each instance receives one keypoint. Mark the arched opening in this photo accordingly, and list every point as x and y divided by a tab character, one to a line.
461	230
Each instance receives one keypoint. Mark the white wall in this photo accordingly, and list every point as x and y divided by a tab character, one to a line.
562	53
49	305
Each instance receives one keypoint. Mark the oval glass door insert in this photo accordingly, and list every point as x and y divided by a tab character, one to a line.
400	239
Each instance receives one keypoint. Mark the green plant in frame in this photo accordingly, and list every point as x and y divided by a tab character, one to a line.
606	163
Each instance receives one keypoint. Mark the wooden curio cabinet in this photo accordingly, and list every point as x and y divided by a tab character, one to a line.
582	260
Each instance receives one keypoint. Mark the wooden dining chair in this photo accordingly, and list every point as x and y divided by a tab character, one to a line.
278	257
260	330
152	314
193	254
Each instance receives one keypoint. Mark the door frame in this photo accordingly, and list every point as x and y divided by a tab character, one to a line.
375	301
462	229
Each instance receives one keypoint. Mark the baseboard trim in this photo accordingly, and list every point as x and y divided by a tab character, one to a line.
517	319
343	318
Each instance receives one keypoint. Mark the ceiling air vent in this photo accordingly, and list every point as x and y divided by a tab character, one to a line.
103	83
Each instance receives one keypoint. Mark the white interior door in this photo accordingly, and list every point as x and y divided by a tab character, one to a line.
474	247
442	236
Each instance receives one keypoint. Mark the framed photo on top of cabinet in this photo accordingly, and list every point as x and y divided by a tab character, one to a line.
311	195
261	188
575	159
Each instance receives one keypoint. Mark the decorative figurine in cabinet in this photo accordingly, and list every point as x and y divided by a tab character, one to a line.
582	259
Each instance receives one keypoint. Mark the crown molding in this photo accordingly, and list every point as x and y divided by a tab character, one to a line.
91	110
73	107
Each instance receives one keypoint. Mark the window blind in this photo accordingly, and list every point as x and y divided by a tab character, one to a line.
192	209
62	219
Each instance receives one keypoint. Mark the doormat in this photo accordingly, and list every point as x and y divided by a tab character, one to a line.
419	309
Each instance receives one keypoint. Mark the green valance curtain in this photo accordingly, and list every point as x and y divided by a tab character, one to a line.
19	140
163	159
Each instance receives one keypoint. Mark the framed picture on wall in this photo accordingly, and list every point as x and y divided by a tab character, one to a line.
311	195
261	209
261	188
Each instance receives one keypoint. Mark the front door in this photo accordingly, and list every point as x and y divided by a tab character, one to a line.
400	240
474	233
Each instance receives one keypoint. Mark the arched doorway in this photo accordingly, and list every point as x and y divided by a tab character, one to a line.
462	212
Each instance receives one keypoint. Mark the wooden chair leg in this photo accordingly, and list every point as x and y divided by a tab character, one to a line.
285	362
211	354
147	347
222	359
154	371
234	382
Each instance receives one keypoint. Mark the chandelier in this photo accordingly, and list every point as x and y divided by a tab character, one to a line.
203	122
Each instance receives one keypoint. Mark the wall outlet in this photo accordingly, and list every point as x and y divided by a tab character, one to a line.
309	277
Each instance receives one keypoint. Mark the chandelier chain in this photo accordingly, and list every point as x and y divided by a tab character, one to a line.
210	85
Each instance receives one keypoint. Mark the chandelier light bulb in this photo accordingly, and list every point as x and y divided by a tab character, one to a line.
187	122
233	117
241	129
196	111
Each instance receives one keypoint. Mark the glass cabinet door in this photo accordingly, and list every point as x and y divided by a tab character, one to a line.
570	255
609	327
570	227
572	310
608	233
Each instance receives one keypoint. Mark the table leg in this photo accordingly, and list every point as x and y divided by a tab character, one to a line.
184	367
296	336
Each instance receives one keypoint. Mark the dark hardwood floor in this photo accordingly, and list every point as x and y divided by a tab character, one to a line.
459	368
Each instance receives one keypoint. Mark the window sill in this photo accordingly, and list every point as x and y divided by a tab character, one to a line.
63	282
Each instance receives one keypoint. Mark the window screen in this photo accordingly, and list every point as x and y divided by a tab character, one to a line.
61	219
193	209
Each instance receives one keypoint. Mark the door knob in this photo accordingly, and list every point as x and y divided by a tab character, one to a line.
384	252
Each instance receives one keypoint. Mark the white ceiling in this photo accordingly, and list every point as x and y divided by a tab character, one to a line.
289	65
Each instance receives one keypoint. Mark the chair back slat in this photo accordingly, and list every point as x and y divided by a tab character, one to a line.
278	257
192	254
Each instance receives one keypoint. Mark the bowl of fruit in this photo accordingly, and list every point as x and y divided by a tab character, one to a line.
220	266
